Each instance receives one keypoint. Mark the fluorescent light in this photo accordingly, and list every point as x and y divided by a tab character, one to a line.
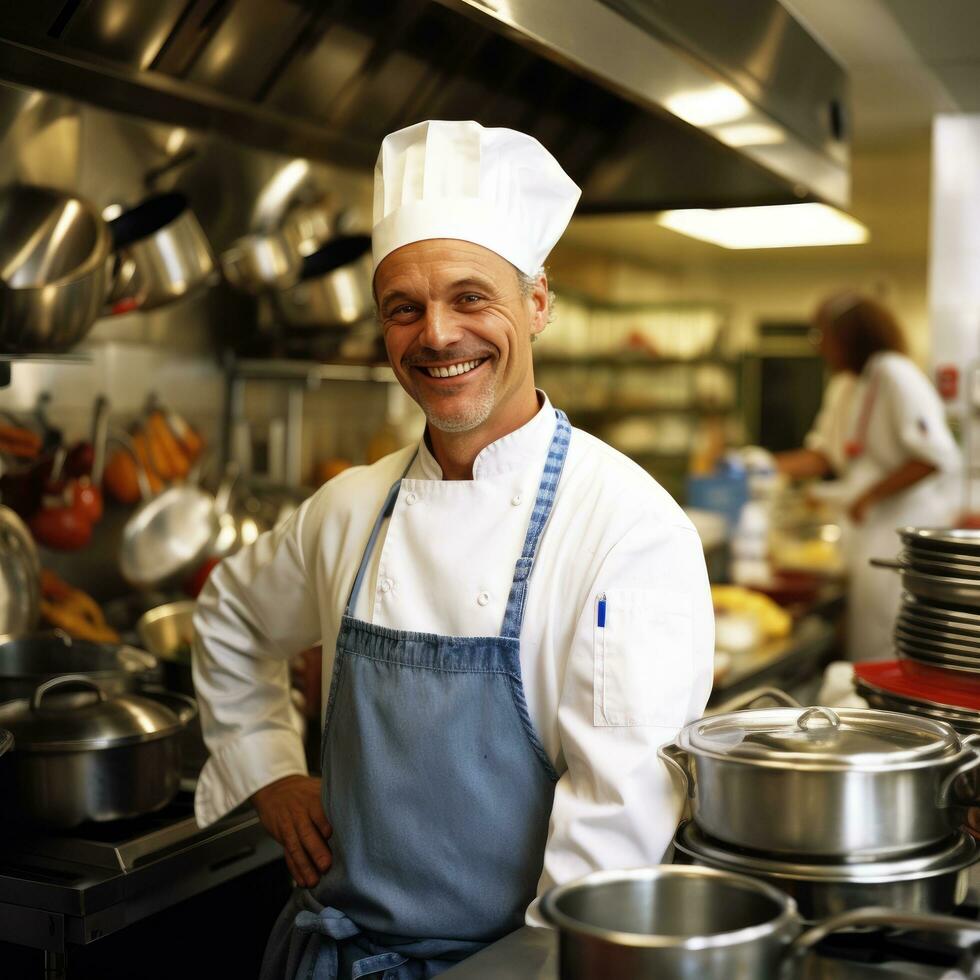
711	106
777	226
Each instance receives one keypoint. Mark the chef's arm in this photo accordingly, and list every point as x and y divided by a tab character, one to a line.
257	610
629	685
803	464
907	475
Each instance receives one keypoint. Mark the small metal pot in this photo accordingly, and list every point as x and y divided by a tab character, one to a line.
88	756
162	253
30	660
335	287
679	923
862	784
256	263
54	269
934	881
168	631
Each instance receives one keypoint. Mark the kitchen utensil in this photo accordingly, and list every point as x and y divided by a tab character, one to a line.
940	588
966	722
952	569
851	782
30	660
54	269
940	611
965	541
260	262
949	661
20	576
168	632
334	288
935	641
949	628
87	755
681	922
60	523
930	686
932	881
162	253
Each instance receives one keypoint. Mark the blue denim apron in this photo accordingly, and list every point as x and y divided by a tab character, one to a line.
437	787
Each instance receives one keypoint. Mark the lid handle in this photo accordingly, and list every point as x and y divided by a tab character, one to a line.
79	680
828	715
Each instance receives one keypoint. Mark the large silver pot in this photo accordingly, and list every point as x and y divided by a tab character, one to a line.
30	660
20	576
335	287
934	881
54	269
862	784
85	755
687	923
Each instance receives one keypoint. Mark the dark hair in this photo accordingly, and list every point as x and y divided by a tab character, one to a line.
859	327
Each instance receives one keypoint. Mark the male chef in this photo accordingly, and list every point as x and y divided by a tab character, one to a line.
513	615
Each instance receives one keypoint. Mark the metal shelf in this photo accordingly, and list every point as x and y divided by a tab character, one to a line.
310	374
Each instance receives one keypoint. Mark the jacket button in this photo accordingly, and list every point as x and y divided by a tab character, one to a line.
411	498
483	598
516	501
386	585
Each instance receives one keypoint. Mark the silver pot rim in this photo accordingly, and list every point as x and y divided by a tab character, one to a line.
955	854
788	916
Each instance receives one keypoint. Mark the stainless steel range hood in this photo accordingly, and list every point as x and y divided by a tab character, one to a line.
649	104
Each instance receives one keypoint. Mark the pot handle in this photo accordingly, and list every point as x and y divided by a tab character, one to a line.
886	563
676	758
746	700
945	796
828	715
922	921
63	681
135	659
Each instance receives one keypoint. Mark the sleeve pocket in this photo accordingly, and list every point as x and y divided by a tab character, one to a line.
643	657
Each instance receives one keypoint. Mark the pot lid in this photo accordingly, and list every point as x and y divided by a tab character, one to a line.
72	712
845	737
907	678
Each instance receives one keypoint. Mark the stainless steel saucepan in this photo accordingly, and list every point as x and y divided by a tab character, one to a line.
853	783
944	589
55	269
679	923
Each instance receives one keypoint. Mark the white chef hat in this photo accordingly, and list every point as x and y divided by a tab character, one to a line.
494	187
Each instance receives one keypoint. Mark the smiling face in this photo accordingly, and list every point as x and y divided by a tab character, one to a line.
457	328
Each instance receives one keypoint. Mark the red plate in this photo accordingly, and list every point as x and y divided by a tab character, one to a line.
907	678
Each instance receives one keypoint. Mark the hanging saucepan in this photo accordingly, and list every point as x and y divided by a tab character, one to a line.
792	781
944	589
162	253
677	922
930	881
334	288
55	267
260	262
82	754
30	660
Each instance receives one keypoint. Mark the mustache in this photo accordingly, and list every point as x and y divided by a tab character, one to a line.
434	358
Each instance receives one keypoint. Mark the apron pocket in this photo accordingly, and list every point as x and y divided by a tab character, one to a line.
644	649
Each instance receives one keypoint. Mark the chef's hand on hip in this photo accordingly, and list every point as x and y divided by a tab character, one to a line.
290	809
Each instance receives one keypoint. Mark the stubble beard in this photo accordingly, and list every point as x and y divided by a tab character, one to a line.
477	409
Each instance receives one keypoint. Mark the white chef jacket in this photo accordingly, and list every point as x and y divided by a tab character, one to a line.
896	415
602	699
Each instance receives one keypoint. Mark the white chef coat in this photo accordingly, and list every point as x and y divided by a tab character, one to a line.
905	420
602	699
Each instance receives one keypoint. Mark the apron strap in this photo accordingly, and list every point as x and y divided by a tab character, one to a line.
384	514
553	466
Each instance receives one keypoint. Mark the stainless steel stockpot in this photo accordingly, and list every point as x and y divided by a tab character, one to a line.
857	783
677	923
933	881
30	660
87	756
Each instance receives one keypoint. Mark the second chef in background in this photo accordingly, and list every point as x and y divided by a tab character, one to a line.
493	719
882	434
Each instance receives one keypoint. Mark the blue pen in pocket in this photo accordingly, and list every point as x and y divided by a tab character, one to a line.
601	612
